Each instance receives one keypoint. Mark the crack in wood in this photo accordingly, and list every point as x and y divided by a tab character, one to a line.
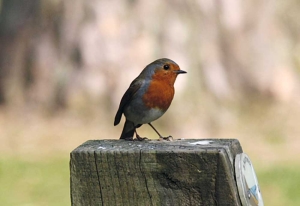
99	182
145	178
117	172
213	193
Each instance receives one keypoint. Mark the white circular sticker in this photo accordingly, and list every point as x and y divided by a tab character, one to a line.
247	183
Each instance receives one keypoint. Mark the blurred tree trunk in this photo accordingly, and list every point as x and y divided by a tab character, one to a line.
17	23
69	54
29	40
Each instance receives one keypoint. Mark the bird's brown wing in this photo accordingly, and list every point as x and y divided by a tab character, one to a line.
134	86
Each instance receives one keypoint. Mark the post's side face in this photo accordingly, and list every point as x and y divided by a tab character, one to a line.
116	172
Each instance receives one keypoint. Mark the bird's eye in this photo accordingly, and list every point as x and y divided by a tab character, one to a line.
166	67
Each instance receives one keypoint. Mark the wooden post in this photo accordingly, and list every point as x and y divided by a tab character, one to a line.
182	172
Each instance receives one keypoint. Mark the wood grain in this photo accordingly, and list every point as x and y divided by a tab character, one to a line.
182	172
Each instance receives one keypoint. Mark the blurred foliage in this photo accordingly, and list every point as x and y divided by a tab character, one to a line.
65	64
34	182
279	185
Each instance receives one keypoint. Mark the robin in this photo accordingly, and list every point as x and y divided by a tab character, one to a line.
148	97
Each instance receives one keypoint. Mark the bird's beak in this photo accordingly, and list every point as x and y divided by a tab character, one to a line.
180	72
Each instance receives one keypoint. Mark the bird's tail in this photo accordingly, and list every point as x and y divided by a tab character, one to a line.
128	130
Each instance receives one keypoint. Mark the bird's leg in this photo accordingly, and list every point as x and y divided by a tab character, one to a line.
169	138
138	137
155	130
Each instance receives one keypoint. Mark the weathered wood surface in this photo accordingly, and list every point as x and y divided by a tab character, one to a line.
182	172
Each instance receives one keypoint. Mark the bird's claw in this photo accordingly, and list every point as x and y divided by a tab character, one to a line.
139	138
169	138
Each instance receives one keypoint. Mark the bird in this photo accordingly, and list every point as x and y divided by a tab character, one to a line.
148	98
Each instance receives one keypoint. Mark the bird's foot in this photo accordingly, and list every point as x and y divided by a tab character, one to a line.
169	138
139	138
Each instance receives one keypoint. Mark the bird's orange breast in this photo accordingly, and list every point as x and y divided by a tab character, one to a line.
159	95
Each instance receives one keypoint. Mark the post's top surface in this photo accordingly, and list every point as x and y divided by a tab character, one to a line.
108	144
230	146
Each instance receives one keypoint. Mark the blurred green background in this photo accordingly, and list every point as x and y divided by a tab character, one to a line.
65	64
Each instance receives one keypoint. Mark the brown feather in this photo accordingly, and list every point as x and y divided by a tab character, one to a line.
134	86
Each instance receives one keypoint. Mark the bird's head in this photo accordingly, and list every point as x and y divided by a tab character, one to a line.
164	70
